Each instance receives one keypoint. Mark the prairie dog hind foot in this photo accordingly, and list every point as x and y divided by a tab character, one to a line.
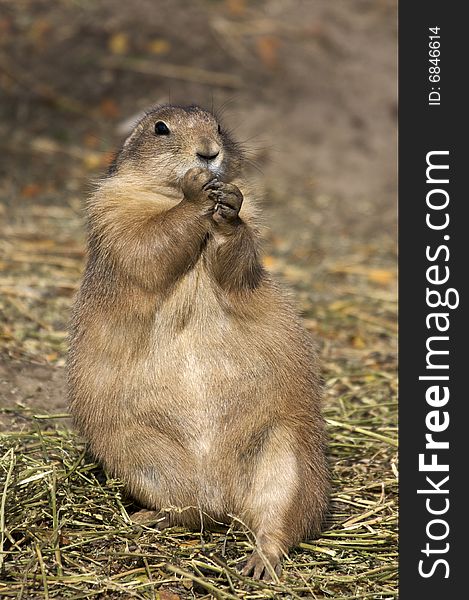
151	518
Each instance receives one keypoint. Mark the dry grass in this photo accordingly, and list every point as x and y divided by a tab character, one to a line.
66	533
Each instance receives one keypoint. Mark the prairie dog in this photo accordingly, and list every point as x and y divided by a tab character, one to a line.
190	374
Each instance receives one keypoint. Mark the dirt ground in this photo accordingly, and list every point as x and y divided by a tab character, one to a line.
310	87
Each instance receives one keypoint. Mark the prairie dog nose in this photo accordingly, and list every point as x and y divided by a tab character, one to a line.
208	149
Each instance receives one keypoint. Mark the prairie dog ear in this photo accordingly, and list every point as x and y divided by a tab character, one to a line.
134	128
125	127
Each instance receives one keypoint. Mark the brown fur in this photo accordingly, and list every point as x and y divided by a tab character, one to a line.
190	374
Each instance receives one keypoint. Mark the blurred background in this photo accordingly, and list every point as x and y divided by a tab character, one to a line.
309	86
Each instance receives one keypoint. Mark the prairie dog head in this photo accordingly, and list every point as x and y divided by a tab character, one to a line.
170	140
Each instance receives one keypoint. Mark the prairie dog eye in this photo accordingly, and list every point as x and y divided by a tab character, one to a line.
219	128
161	128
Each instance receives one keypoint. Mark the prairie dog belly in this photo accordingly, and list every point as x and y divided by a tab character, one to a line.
206	372
198	341
200	358
199	353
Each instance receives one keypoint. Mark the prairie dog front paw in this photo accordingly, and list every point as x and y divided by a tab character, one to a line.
229	200
196	187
